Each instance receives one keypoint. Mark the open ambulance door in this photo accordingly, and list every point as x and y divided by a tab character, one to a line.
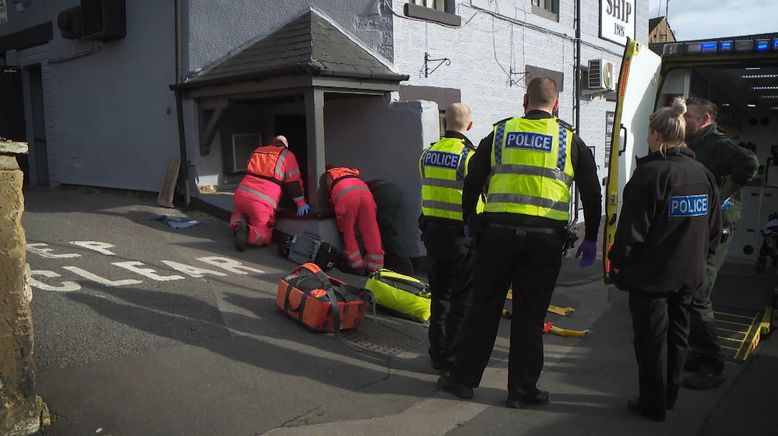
637	90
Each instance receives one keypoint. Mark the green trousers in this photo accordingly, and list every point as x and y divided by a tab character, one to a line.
703	338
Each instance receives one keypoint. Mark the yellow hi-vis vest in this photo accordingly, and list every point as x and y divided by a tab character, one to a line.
443	168
531	168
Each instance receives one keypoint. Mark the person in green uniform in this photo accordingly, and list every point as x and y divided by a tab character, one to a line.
733	167
389	201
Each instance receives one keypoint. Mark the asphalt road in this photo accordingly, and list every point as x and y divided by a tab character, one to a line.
142	329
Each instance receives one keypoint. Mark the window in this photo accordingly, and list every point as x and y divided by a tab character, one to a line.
546	9
439	11
439	5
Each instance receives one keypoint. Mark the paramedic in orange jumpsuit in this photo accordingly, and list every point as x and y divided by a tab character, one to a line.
271	168
354	207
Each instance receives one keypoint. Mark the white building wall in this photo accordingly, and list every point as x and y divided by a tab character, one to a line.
499	35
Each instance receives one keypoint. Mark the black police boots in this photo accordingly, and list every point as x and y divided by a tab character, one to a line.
537	399
448	384
241	235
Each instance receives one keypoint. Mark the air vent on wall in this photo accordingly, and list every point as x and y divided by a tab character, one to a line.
103	20
602	75
242	146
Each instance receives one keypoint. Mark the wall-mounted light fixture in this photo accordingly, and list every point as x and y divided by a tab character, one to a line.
21	5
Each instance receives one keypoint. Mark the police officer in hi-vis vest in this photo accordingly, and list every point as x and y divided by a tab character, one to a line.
528	165
443	167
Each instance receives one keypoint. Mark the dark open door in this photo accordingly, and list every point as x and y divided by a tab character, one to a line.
294	128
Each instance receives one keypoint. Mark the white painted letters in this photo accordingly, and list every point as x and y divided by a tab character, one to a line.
191	271
43	250
228	264
100	247
66	286
101	280
137	267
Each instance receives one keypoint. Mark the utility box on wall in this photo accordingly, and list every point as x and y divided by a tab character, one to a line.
96	20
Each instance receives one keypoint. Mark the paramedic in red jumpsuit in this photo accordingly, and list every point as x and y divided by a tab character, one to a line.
355	208
271	168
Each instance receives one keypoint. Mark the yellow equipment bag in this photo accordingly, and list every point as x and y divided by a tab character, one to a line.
400	294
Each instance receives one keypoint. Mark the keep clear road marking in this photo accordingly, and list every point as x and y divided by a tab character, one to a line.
137	267
42	249
192	271
100	247
97	279
66	286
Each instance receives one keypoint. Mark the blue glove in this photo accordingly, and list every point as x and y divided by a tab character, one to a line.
467	234
587	251
302	210
727	204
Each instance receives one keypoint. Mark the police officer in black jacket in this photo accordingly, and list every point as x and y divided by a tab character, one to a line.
669	223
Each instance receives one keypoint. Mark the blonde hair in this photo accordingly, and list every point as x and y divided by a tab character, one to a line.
670	124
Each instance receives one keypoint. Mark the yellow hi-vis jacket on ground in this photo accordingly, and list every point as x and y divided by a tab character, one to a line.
531	168
443	168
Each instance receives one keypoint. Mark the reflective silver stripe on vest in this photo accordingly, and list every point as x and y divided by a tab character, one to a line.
258	194
280	164
533	171
561	206
294	172
353	188
442	183
451	207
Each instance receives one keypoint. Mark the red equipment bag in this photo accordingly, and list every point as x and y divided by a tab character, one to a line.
307	295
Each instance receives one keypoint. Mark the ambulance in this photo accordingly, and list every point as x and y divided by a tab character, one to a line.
740	75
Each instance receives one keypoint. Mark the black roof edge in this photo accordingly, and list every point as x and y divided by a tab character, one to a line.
304	67
311	67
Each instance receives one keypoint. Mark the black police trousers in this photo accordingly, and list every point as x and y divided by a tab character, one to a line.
661	326
529	262
450	279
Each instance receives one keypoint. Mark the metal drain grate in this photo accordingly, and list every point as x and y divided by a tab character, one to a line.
385	337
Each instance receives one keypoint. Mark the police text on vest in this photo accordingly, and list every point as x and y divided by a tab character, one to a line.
441	159
529	141
689	205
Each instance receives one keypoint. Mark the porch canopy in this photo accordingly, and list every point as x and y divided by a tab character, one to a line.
309	57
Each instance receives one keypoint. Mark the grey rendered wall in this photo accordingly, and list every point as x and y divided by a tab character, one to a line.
365	133
216	27
110	116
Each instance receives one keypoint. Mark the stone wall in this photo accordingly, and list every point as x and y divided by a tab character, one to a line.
21	411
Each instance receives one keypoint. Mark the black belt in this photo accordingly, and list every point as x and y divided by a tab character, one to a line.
522	230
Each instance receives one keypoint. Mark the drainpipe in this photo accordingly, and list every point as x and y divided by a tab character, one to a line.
577	86
183	172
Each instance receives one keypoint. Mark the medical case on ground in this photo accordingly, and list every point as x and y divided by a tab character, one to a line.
400	294
320	302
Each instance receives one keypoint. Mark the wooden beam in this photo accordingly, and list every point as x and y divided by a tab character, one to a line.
210	129
314	117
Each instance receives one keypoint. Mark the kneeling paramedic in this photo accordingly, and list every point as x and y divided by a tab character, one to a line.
443	167
528	164
355	208
270	168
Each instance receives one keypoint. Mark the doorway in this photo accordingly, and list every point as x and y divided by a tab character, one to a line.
293	126
12	112
36	129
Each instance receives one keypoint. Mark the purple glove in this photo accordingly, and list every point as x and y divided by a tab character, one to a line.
587	251
467	234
